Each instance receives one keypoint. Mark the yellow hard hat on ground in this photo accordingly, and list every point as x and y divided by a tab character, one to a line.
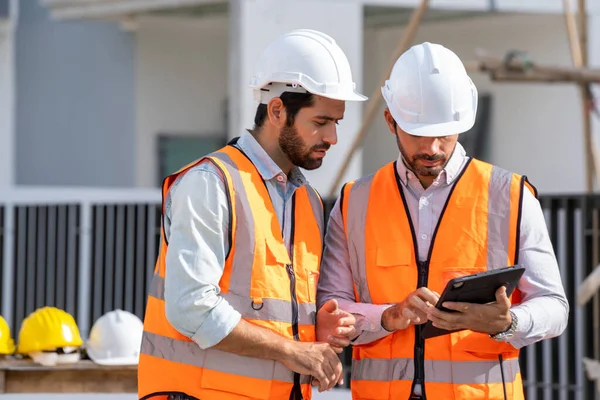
47	329
7	345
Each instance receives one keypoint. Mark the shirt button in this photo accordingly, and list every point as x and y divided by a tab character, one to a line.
424	236
424	201
436	183
280	178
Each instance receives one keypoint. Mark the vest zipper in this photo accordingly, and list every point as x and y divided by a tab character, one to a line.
290	271
296	393
419	355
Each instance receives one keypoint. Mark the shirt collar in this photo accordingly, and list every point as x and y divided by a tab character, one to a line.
264	163
448	175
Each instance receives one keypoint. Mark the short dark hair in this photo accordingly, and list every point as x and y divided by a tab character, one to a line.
293	102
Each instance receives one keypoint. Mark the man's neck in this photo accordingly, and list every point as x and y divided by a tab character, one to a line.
271	147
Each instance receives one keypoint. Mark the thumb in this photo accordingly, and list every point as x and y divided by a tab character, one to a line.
331	305
501	297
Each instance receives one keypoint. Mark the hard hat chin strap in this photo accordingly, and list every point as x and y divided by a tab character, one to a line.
276	89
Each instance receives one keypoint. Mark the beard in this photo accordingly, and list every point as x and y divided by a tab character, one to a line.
423	170
295	148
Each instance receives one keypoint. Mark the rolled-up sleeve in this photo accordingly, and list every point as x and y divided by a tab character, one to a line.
198	225
544	310
336	282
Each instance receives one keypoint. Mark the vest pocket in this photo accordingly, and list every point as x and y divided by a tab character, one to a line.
232	373
392	277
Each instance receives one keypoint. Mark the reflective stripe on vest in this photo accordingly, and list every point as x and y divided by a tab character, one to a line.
267	310
439	371
189	353
255	282
384	268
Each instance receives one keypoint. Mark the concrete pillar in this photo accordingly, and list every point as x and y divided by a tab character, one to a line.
7	102
594	62
253	24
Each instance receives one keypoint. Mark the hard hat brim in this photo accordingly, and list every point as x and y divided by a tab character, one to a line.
354	96
436	130
115	361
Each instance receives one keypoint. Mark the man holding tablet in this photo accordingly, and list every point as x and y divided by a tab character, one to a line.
397	237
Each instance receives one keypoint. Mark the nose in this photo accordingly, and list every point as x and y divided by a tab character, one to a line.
430	146
330	134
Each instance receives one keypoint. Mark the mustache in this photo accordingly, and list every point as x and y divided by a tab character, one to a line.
321	146
427	157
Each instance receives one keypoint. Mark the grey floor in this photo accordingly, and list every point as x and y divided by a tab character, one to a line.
335	394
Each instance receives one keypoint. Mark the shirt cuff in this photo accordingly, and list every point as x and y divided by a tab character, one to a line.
523	326
371	318
218	324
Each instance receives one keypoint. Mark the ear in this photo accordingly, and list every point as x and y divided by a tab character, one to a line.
391	123
276	112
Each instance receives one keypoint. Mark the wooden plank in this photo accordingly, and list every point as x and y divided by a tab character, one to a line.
24	376
2	382
514	71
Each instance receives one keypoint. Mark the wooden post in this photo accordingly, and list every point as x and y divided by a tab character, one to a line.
585	99
374	102
515	71
578	44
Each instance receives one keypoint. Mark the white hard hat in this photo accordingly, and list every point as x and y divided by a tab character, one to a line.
303	61
115	339
429	92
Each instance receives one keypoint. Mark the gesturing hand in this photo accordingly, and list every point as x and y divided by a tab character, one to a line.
486	318
335	326
411	311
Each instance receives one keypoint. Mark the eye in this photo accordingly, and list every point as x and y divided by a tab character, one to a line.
319	123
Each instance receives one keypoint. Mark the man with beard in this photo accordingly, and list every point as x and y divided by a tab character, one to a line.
395	238
232	306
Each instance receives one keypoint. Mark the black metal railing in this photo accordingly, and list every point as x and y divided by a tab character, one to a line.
92	258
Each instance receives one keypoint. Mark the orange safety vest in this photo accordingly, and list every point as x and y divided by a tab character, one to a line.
260	280
478	230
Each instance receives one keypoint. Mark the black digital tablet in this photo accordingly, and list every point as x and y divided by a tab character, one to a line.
477	288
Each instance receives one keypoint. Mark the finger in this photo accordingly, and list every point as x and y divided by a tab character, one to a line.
443	319
407	313
338	341
347	321
438	323
501	297
338	349
435	314
324	380
428	296
458	306
320	380
323	384
417	303
337	371
347	331
330	306
340	375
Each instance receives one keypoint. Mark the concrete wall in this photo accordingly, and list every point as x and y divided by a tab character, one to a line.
181	83
7	98
74	101
536	129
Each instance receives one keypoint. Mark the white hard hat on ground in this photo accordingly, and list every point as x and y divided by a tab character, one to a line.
304	60
115	339
429	92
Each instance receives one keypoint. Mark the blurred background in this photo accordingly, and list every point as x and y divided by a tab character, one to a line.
101	99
